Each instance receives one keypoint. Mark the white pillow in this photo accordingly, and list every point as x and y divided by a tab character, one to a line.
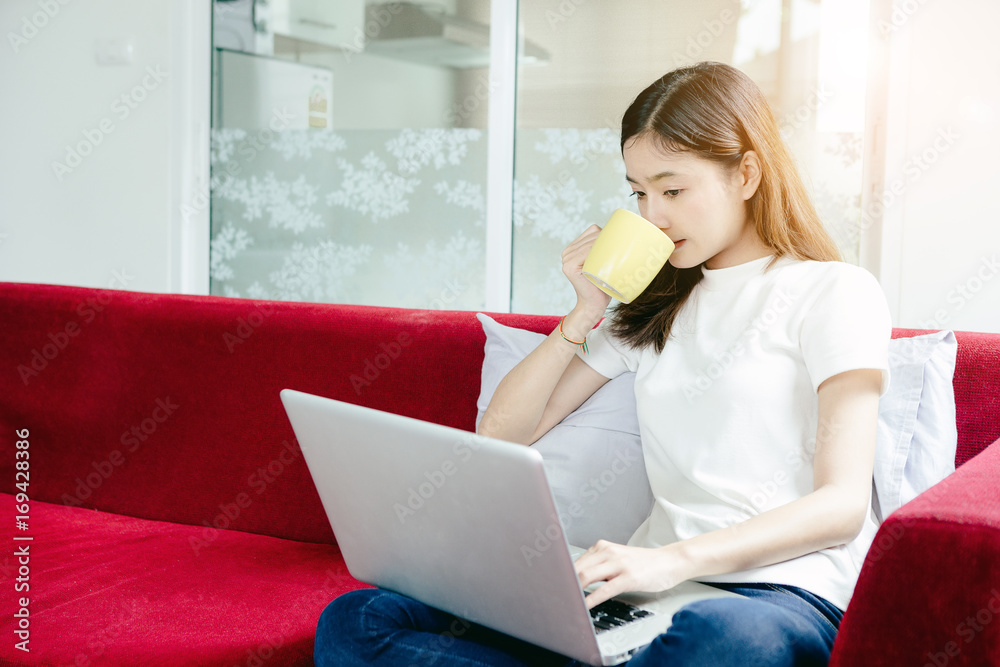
917	433
593	458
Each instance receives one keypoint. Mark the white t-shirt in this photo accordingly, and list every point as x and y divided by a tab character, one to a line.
728	410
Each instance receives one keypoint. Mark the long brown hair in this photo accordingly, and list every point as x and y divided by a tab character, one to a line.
718	113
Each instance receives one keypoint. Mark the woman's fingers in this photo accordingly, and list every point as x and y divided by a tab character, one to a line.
624	568
573	257
604	593
602	562
582	243
599	563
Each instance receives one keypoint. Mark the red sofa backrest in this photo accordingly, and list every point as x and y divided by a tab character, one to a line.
167	407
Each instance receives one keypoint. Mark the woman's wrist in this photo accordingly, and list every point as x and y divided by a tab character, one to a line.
578	323
684	559
581	343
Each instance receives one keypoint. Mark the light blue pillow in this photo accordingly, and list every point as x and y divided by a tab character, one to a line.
593	458
917	433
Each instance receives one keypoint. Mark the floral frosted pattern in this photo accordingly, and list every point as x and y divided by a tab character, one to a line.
416	149
462	193
380	217
226	245
283	204
567	180
318	273
301	143
397	217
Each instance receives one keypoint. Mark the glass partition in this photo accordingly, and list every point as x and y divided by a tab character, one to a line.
805	55
351	168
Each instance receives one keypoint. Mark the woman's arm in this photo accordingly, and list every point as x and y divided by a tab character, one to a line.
832	514
540	392
551	382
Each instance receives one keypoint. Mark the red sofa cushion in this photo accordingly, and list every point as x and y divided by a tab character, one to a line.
113	590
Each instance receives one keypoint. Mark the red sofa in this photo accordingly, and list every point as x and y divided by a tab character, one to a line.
172	520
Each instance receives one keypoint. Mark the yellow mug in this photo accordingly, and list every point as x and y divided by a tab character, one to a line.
627	255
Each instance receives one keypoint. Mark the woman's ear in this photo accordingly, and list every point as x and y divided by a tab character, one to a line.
750	174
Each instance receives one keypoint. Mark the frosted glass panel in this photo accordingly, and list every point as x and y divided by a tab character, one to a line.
567	179
383	217
355	171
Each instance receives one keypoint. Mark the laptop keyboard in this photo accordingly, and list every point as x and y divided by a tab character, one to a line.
615	613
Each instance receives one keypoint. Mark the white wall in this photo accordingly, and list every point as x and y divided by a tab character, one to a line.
112	217
605	53
940	237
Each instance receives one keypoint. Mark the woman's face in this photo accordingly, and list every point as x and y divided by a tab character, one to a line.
696	202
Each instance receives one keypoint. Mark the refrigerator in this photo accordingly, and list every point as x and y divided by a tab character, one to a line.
256	92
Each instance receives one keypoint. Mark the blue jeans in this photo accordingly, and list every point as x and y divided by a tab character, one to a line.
771	625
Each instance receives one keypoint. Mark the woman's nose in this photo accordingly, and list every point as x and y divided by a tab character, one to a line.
656	215
663	225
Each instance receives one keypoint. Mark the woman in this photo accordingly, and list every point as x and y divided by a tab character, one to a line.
759	362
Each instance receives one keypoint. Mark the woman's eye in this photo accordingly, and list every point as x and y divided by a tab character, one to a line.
637	194
672	193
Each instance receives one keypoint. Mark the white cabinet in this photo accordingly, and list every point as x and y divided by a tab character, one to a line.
336	23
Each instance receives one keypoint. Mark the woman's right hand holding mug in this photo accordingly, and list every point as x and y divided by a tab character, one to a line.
591	301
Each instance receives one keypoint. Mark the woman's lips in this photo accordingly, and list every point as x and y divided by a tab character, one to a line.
678	244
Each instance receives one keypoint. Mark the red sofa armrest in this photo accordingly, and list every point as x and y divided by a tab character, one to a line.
929	591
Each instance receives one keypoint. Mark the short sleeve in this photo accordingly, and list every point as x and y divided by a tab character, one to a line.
847	326
606	354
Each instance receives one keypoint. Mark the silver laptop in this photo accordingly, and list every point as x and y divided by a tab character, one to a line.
466	524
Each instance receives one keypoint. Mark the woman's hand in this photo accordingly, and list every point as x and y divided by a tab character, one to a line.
589	298
625	568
